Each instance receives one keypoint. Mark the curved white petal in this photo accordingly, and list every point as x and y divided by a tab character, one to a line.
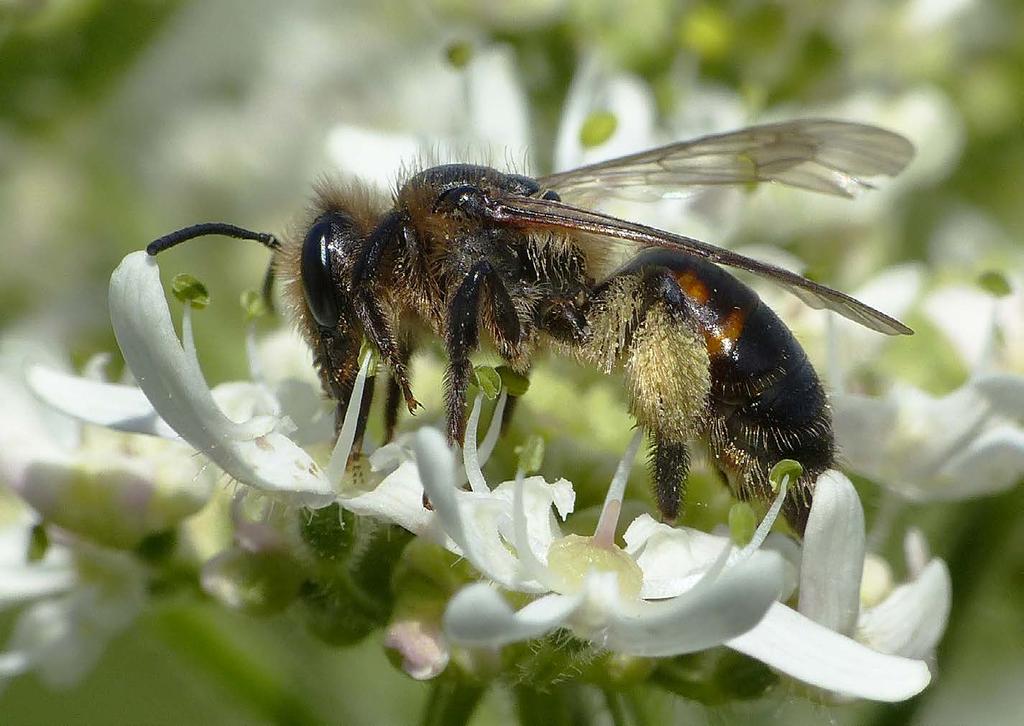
673	559
799	647
478	615
436	464
1003	391
911	620
398	498
707	615
992	463
115	406
833	557
251	452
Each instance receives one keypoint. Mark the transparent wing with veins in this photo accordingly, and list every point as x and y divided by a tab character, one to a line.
533	212
822	155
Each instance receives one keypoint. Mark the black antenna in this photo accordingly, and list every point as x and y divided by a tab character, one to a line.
210	228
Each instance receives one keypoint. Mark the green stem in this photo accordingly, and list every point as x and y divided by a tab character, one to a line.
622	711
194	634
550	708
452	701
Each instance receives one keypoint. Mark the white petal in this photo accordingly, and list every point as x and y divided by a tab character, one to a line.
706	616
251	452
124	408
963	314
833	558
992	463
398	498
33	581
911	620
436	464
479	616
1003	391
497	103
799	647
673	559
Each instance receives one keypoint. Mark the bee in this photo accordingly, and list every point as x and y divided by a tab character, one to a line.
467	252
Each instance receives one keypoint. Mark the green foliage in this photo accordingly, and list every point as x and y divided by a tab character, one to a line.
348	591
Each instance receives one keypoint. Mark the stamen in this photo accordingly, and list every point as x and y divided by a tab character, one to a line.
604	535
346	437
761	533
187	340
493	429
188	343
255	367
469	451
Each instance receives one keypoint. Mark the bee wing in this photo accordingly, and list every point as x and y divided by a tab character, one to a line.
821	155
533	212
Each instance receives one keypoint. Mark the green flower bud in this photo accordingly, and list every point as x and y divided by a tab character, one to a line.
597	128
257	583
530	454
488	380
190	290
369	349
38	543
995	283
514	383
254	305
459	54
742	523
785	468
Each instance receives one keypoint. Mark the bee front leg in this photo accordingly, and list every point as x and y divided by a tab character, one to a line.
388	237
337	360
463	337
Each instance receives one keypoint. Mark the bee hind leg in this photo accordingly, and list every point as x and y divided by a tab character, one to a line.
641	320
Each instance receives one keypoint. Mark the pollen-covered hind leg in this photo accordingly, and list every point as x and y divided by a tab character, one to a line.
670	463
641	321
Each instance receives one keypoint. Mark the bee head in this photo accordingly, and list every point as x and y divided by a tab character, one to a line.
316	261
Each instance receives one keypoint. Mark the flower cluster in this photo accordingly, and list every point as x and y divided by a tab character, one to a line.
668	591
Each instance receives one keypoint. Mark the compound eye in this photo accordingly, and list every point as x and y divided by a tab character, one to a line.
466	199
317	280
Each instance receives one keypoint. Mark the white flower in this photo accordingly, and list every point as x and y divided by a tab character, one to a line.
965	444
251	430
672	591
244	428
108	487
76	597
484	115
831	641
987	331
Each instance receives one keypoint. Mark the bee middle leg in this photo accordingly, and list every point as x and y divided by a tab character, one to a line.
463	336
641	320
394	395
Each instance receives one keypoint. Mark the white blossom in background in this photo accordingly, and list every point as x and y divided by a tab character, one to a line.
965	444
852	635
108	487
987	331
488	124
74	599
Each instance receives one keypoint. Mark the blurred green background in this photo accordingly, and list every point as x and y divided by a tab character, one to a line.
120	121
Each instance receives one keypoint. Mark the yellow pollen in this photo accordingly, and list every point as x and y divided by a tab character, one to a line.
572	557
